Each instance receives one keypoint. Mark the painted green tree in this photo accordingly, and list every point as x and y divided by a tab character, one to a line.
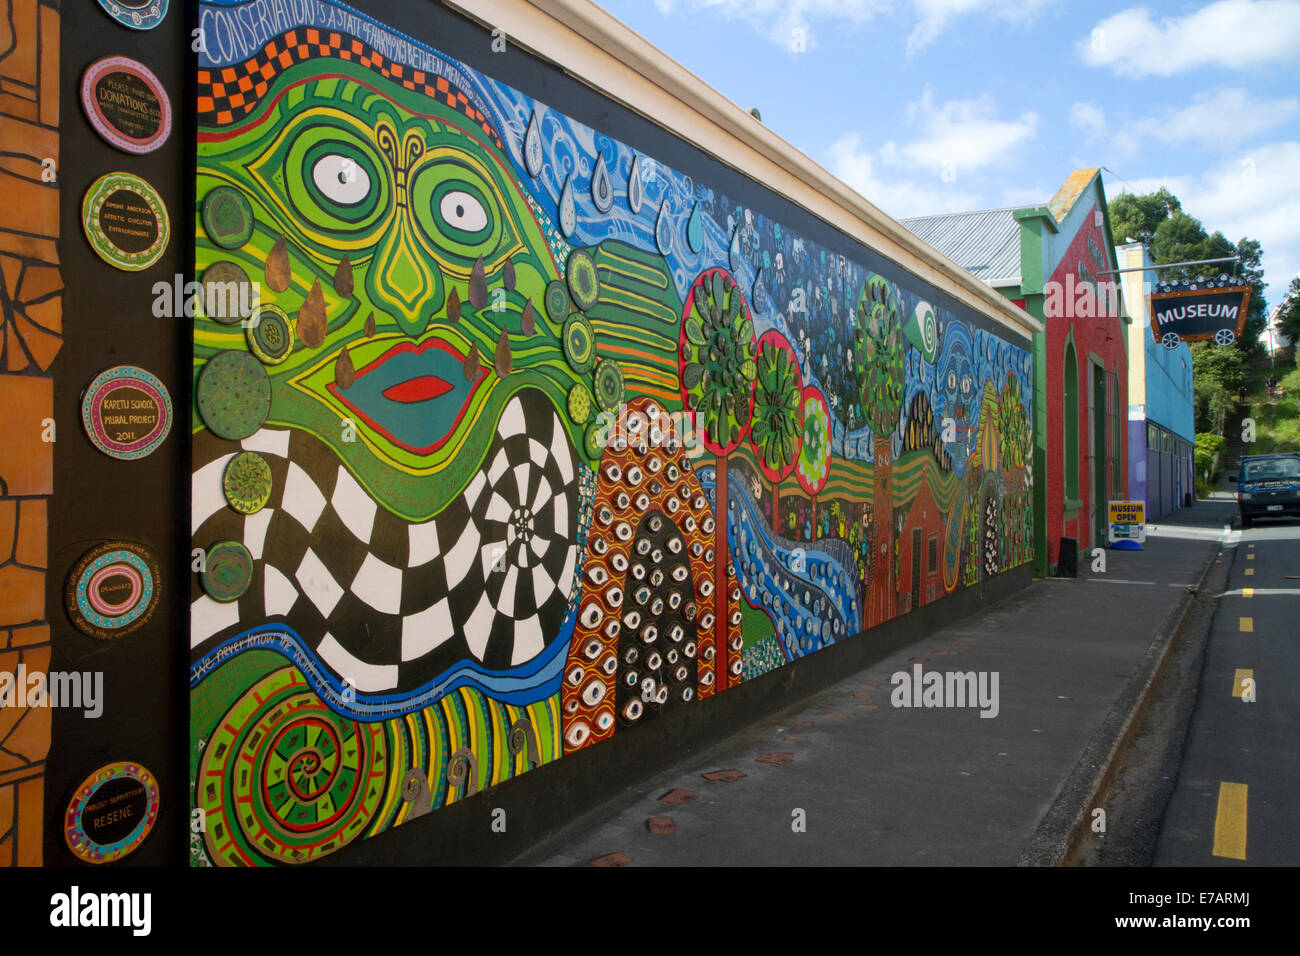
777	427
879	350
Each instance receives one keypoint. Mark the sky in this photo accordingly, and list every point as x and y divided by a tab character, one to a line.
936	106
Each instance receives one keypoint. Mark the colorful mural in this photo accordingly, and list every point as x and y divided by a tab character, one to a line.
556	439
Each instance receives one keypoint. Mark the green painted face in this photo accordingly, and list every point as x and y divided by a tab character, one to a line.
391	231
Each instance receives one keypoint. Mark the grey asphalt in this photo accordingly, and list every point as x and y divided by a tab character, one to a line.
1256	744
873	784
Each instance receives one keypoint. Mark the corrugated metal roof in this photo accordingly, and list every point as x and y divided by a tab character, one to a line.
984	243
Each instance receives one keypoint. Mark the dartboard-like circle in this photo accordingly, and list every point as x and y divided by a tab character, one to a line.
579	343
579	404
1224	337
557	300
270	334
609	384
1170	340
246	482
584	283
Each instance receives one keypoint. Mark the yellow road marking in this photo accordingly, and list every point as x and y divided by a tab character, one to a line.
1250	557
1247	592
1246	625
1230	822
1250	571
1242	673
1251	546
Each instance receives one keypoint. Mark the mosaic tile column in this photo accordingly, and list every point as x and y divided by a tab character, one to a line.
31	330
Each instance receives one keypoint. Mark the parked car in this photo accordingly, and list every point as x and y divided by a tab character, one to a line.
1268	486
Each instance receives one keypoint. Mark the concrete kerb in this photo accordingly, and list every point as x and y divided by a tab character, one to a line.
1068	820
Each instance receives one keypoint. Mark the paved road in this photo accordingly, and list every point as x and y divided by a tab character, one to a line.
1236	801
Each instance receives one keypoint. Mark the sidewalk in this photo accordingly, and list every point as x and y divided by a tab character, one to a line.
886	786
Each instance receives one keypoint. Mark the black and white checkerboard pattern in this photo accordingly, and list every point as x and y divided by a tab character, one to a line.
386	603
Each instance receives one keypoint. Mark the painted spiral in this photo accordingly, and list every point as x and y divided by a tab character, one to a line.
284	779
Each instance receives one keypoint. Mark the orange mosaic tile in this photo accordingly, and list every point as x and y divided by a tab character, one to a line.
31	815
48	314
41	345
26	462
36	141
20	63
30	739
8	524
37	283
30	547
11	269
22	595
15	106
31	247
4	639
6	812
30	636
49	78
29	206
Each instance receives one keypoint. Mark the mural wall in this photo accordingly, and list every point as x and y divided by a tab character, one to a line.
529	439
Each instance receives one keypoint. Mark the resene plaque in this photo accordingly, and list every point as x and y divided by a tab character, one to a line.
126	412
136	14
125	221
111	813
126	104
113	589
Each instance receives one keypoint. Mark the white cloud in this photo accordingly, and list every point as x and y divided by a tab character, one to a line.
1229	33
1251	195
787	23
962	135
1223	119
898	197
935	15
1088	119
779	20
1218	120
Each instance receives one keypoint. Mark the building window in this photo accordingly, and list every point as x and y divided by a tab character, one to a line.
932	559
1071	393
1116	438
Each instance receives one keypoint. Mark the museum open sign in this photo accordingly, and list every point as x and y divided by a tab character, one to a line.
1195	314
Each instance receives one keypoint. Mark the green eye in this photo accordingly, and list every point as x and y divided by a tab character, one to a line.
463	218
341	179
462	212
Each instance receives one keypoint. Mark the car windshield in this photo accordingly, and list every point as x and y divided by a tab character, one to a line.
1272	468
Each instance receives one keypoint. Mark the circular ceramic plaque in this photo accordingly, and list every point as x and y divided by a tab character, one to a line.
126	104
228	294
234	395
113	589
136	14
247	482
111	813
228	571
270	334
126	412
227	217
125	221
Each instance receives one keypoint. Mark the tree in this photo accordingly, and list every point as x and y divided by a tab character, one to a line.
1289	317
1136	217
880	347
